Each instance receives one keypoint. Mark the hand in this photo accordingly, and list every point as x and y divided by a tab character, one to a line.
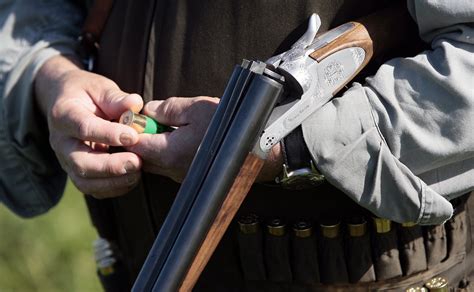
170	154
79	106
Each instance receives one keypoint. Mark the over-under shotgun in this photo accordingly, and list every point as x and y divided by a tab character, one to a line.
236	143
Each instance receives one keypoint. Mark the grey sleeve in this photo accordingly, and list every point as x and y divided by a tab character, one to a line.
403	144
31	32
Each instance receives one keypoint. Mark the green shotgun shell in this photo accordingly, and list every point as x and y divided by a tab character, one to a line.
142	123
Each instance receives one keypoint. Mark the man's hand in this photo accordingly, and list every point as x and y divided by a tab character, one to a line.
171	153
79	106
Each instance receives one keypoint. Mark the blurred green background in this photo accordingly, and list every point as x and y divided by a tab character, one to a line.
52	252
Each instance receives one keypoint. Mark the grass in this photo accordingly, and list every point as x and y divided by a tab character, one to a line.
52	252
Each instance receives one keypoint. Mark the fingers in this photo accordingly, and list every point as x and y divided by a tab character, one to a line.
98	173
113	102
154	148
107	95
172	111
79	106
80	123
80	160
87	163
168	154
160	156
87	104
107	187
180	111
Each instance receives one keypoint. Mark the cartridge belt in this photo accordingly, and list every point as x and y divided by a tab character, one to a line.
360	254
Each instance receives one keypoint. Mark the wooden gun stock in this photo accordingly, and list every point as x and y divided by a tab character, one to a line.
377	33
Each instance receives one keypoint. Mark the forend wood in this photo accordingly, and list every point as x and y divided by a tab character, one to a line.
241	186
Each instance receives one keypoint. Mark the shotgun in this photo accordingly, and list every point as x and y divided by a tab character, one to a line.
238	141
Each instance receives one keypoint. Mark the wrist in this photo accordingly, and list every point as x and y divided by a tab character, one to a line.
48	78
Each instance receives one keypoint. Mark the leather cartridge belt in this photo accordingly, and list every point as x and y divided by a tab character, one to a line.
361	254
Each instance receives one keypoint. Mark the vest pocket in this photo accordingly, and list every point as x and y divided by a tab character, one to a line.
386	255
436	244
412	249
456	228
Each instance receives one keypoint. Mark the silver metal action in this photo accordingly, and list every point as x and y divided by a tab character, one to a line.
318	81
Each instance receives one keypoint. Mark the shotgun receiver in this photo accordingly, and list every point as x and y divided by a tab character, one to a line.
237	142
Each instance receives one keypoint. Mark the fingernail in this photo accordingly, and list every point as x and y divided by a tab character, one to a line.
129	167
126	139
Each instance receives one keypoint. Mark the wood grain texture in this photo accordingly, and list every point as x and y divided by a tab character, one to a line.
358	36
241	186
376	34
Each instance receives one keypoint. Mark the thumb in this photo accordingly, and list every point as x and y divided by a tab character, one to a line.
115	101
172	111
